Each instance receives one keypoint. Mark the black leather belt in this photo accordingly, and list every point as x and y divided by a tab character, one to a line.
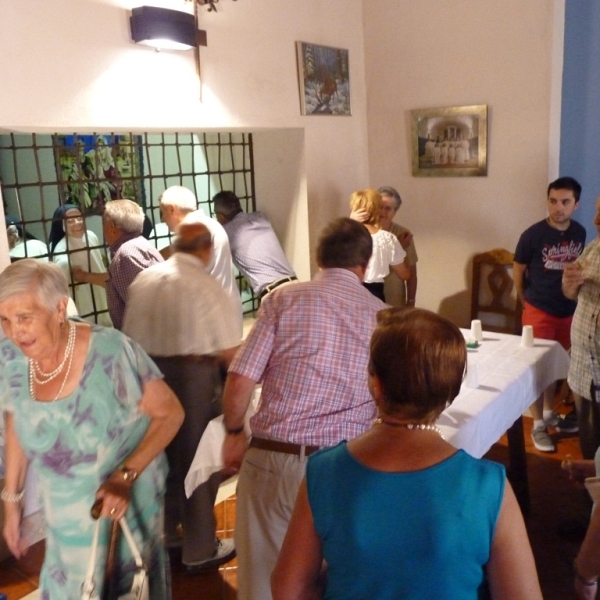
276	284
284	447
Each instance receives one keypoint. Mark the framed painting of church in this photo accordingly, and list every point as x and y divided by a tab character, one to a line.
449	142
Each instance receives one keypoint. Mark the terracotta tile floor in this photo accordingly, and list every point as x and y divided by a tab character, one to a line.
554	502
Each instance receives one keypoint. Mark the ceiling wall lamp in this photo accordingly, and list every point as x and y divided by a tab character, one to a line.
163	28
211	4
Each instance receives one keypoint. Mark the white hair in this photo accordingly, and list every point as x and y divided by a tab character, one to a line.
180	197
45	280
126	215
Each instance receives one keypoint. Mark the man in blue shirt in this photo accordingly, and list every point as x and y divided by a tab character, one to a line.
255	249
542	253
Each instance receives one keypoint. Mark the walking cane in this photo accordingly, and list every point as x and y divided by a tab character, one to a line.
111	556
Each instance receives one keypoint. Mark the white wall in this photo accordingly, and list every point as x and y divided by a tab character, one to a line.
429	54
281	178
69	65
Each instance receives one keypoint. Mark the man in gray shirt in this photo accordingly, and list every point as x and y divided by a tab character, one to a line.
255	249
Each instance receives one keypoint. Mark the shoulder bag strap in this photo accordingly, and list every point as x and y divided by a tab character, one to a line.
131	543
88	585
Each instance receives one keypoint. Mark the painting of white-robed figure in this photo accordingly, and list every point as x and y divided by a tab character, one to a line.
450	141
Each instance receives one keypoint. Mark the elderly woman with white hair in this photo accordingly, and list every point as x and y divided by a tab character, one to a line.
87	410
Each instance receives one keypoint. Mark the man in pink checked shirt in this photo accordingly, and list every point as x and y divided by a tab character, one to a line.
309	347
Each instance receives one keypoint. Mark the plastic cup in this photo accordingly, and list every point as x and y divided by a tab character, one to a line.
476	330
527	337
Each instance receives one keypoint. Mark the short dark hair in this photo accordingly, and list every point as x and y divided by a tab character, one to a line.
419	359
227	204
344	243
566	183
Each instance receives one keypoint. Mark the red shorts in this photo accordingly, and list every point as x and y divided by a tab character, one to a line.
548	327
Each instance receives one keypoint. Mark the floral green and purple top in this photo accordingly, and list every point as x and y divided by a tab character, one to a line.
74	444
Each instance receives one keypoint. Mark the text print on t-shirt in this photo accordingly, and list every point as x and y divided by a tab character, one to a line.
556	256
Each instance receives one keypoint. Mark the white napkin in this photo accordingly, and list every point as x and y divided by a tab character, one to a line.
208	458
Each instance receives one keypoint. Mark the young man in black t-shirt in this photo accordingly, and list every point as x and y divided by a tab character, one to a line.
540	258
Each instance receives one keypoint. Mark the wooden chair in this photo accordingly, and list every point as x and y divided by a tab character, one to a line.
492	298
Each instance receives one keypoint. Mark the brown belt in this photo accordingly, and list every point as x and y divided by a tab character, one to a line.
284	447
196	358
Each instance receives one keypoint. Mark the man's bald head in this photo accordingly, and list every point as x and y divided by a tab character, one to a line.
194	238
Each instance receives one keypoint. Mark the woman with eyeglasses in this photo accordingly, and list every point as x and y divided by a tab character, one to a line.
71	245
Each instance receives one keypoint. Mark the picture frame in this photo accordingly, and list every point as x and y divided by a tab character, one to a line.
324	80
95	169
449	142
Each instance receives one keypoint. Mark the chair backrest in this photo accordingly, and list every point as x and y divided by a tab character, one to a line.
492	298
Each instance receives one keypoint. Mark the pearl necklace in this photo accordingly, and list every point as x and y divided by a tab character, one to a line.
70	353
422	426
43	377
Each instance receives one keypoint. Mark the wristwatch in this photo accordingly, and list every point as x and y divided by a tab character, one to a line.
128	474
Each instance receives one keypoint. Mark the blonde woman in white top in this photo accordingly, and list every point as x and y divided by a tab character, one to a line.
387	252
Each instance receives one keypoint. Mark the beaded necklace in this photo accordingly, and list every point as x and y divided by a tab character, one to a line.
422	426
69	352
40	376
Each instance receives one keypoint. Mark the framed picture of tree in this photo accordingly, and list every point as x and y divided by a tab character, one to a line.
324	79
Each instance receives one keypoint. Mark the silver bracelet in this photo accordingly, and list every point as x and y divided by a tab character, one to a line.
11	496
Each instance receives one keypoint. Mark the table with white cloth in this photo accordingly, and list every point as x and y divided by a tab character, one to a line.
510	378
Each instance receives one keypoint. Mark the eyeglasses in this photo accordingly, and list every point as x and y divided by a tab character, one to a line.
71	220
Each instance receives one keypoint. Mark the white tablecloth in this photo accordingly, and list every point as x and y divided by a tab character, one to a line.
208	458
510	378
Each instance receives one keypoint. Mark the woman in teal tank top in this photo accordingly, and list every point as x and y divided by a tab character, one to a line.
398	513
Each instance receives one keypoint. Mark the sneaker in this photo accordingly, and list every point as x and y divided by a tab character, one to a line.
541	440
224	552
553	420
568	424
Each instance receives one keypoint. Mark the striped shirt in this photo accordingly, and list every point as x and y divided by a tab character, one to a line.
310	348
176	308
256	250
131	253
585	331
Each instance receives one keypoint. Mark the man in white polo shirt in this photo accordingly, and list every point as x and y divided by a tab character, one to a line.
178	203
186	322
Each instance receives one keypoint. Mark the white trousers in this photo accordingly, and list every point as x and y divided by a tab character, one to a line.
266	493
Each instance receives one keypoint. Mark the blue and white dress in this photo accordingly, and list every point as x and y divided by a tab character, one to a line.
73	445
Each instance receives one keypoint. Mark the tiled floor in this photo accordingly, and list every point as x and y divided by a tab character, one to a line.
555	504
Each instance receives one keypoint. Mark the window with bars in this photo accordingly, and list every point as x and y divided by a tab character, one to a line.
41	173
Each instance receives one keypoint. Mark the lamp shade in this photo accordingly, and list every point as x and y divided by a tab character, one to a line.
163	28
